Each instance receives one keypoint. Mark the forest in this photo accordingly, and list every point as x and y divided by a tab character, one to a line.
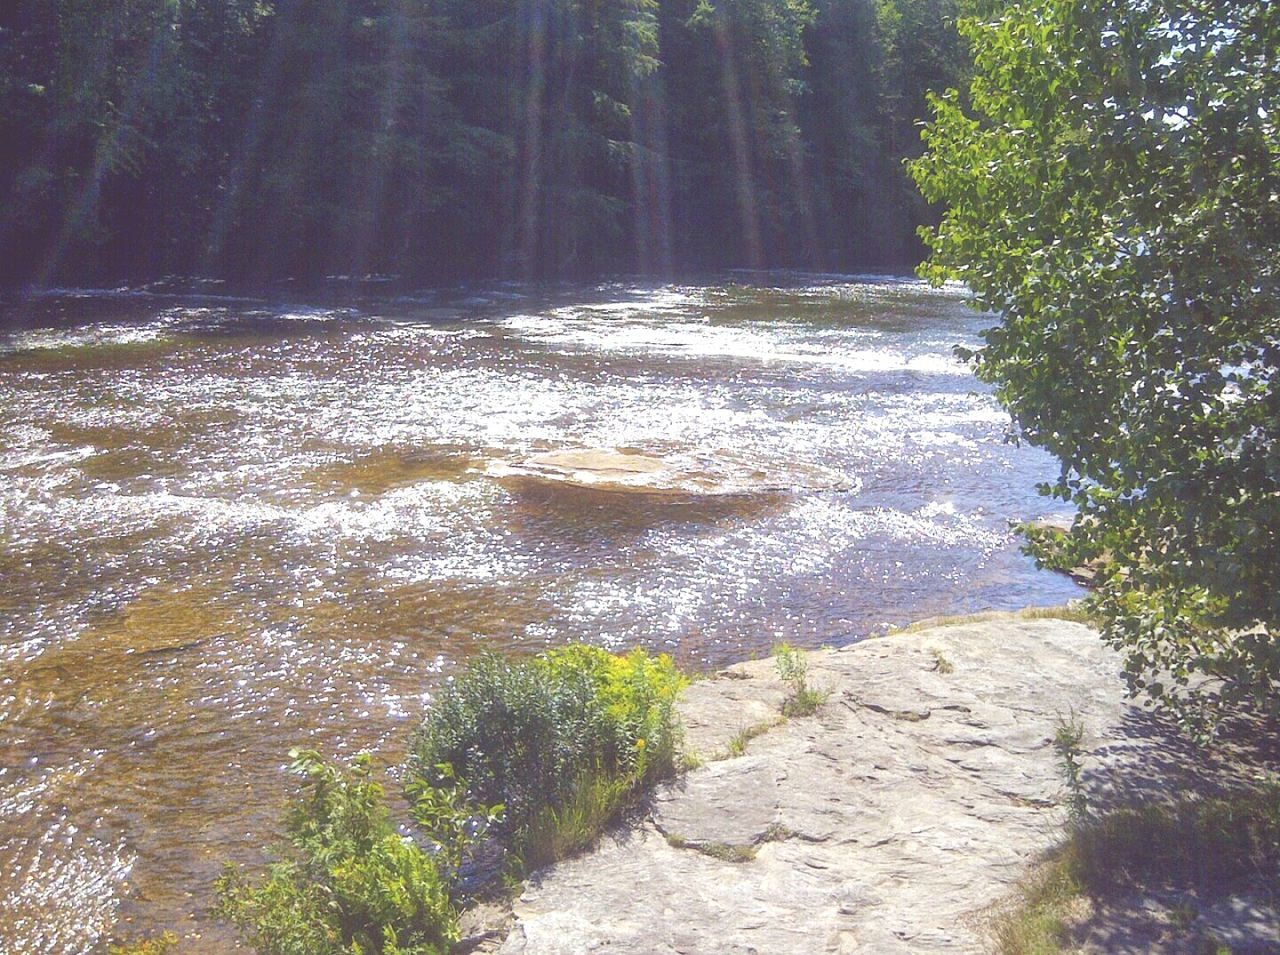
439	140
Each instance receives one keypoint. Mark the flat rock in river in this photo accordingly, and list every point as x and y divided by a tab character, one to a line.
605	464
596	468
705	472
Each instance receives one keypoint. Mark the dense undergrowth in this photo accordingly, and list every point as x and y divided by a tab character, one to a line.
348	882
518	763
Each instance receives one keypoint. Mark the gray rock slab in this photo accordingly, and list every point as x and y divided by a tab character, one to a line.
732	802
893	820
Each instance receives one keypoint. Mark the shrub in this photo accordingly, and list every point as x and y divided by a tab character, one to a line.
638	693
347	883
455	825
560	741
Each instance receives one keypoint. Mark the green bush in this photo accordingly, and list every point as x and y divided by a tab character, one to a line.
560	741
455	825
348	883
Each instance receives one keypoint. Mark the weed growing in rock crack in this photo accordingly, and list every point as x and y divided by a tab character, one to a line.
728	853
738	744
1067	738
777	832
793	670
691	761
940	662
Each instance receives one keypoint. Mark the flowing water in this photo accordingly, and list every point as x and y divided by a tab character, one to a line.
227	529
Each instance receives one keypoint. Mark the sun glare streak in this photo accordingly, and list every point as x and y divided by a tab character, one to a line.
768	86
800	191
744	181
104	156
536	66
651	177
18	207
369	184
308	141
250	142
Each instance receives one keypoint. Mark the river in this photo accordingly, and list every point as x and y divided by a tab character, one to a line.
228	528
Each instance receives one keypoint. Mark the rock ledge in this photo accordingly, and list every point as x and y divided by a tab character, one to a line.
894	820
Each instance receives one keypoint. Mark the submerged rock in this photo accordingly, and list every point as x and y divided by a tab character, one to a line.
390	468
688	473
594	468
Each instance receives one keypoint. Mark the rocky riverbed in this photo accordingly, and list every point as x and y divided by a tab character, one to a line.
898	818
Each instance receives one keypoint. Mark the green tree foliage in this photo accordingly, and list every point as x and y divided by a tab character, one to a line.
109	116
349	885
1114	193
259	139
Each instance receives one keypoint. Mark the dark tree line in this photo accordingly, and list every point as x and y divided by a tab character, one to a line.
256	139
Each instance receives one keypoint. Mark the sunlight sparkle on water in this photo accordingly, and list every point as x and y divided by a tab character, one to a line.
271	527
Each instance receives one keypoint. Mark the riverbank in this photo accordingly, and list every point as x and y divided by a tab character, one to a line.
902	816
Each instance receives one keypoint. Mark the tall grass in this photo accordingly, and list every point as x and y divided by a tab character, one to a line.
573	824
1200	844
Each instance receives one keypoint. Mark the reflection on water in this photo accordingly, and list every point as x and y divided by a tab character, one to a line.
226	530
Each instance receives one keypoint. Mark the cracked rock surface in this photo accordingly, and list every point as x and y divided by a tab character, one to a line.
892	820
